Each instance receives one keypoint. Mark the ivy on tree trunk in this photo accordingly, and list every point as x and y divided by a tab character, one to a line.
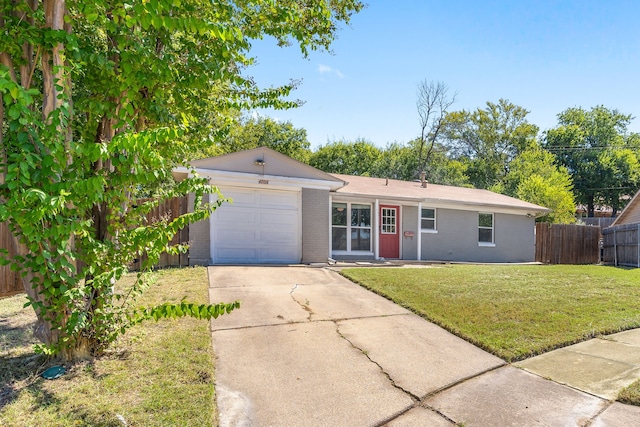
101	99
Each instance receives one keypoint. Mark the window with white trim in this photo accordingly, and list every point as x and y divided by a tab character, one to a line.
350	227
485	229
428	219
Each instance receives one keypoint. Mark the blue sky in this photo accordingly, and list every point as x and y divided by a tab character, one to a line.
545	56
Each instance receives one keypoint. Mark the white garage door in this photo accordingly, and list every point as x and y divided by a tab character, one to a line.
260	226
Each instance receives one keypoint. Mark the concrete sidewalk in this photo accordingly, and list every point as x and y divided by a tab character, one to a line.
310	348
601	366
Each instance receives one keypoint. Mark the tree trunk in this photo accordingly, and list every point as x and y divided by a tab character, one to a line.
591	208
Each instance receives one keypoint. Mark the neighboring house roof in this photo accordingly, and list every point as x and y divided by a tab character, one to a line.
631	213
433	193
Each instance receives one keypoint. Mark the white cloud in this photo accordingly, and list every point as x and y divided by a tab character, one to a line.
324	69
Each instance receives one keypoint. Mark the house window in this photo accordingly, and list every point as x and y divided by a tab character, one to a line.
339	227
428	219
485	229
352	220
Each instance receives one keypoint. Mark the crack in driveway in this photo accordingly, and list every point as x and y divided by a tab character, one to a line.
304	306
366	354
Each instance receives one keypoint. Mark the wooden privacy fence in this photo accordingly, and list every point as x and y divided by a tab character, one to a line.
10	282
567	244
621	245
172	208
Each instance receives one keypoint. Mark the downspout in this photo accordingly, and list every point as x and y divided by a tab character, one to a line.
419	233
330	234
376	234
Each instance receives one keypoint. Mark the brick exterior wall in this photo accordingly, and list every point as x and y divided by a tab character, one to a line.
315	225
199	238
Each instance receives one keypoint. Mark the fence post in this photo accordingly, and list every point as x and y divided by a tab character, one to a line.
615	248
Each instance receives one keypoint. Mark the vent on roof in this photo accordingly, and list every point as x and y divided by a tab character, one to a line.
423	180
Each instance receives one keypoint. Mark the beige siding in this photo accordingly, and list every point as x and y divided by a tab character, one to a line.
199	238
315	225
632	215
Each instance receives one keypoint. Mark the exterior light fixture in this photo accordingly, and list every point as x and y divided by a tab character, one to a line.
260	162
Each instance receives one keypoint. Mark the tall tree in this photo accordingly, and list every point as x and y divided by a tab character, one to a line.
433	103
599	152
352	158
441	169
396	161
535	177
98	99
486	140
264	131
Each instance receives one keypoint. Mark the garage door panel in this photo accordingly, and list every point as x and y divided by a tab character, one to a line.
228	215
276	218
261	226
233	254
274	237
235	235
277	201
276	256
240	198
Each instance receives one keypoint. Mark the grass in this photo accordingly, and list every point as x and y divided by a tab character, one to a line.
512	311
516	312
631	394
159	374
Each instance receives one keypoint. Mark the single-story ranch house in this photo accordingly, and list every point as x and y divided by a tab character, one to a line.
285	211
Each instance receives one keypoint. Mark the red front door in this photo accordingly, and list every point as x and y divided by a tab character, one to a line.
389	231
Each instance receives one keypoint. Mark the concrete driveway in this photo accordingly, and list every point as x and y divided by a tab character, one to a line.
310	348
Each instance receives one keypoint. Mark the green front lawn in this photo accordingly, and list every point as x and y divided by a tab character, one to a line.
514	311
159	374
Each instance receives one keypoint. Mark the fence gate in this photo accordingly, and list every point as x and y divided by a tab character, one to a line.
567	244
621	245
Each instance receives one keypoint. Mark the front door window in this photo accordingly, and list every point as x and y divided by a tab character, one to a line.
388	220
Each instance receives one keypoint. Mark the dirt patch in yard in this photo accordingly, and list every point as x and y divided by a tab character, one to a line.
19	365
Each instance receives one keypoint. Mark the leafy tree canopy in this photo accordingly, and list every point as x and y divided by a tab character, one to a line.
534	177
351	158
599	152
486	140
101	98
256	132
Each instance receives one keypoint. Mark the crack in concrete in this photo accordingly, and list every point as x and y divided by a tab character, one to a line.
417	401
462	380
386	374
296	322
304	306
593	419
431	408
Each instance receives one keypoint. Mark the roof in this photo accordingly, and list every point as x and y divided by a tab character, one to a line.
413	191
631	213
264	161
